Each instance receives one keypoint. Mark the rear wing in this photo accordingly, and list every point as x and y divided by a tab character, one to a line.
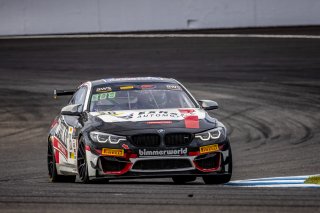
57	93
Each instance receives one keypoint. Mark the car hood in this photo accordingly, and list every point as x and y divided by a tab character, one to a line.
190	119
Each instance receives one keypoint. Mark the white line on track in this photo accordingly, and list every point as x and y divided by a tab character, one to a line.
165	36
290	181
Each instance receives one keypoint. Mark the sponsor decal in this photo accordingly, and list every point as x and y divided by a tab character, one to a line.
103	96
165	116
173	87
124	115
209	148
64	141
157	114
71	155
191	122
134	79
159	122
111	95
147	86
145	152
71	143
186	112
62	132
74	144
191	119
112	113
61	148
104	89
126	87
95	97
112	152
74	148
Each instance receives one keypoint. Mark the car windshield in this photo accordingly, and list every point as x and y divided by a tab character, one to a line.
135	97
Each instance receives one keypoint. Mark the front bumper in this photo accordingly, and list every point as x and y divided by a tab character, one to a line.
132	165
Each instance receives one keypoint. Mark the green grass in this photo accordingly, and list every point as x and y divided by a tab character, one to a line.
313	180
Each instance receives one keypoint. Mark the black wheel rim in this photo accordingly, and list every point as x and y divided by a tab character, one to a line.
50	160
81	161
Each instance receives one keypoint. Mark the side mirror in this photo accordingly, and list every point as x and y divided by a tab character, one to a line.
208	104
72	110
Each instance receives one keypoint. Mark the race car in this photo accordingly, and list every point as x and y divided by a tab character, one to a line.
143	127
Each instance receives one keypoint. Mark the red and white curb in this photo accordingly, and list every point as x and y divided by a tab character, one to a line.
290	181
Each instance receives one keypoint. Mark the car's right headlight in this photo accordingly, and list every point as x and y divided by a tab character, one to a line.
101	137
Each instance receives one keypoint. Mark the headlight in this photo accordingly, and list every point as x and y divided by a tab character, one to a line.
106	138
213	134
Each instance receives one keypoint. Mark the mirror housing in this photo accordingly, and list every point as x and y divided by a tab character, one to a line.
72	110
208	104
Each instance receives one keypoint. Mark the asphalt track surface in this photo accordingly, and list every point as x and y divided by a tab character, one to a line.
269	95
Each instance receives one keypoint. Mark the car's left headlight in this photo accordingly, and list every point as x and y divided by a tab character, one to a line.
101	137
213	134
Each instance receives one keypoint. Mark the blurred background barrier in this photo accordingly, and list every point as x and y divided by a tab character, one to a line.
29	17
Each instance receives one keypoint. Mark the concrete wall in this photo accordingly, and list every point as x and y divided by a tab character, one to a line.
19	17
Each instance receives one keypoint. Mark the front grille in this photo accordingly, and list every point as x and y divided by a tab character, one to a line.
162	164
111	164
178	139
147	140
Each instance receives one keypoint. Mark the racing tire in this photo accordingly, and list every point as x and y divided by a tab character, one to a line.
223	178
183	179
82	165
52	168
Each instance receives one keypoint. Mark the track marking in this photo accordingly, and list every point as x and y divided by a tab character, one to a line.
291	181
165	36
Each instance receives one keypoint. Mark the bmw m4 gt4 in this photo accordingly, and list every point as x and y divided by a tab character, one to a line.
137	128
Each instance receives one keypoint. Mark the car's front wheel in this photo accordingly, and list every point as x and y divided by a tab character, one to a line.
82	162
52	168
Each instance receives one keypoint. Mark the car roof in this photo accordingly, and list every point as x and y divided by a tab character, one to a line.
133	80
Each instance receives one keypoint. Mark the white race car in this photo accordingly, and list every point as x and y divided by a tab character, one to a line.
137	127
